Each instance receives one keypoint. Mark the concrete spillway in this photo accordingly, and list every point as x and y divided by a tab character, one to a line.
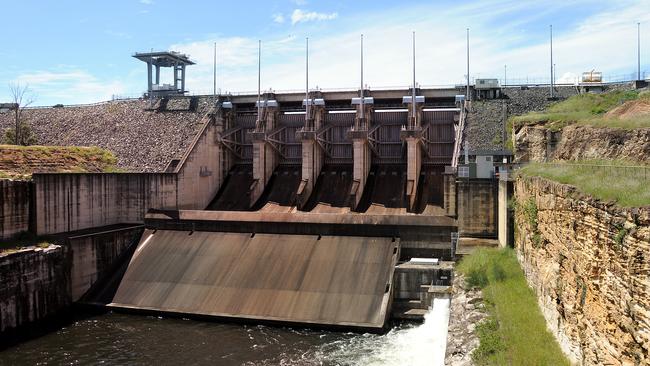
235	192
325	280
280	193
332	191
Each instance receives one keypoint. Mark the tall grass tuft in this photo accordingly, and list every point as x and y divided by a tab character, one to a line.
515	332
626	183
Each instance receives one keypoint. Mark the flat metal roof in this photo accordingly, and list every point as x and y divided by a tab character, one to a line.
164	58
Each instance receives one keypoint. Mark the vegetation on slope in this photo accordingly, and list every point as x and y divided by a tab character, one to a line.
515	331
22	241
591	109
20	162
626	183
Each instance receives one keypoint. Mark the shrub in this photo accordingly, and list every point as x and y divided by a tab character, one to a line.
26	135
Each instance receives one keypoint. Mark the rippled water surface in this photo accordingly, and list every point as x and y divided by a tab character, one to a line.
121	339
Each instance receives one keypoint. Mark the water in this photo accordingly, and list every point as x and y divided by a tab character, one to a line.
119	339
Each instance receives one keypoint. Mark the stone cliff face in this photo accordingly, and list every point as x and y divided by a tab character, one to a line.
589	263
575	142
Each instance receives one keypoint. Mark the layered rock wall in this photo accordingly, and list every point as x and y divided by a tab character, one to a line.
576	142
589	263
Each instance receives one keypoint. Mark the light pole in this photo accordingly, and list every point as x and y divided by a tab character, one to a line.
551	28
413	96
505	75
306	81
638	50
467	96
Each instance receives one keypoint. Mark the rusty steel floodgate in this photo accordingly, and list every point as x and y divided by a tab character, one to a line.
329	280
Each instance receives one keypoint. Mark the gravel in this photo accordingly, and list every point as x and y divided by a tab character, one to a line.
142	140
486	120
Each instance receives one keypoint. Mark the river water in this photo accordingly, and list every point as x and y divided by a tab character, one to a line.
120	339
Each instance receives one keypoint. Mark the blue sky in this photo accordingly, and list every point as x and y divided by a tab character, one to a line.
80	51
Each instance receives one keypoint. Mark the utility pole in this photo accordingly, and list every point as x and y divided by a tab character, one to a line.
362	108
467	96
259	75
638	50
214	72
551	27
415	117
306	81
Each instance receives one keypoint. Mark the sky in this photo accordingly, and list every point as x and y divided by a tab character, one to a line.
80	51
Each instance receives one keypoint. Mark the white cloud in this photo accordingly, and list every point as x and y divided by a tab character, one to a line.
300	16
74	86
147	2
278	18
334	56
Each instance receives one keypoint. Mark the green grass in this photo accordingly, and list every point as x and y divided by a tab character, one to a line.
24	240
515	331
18	160
628	187
587	109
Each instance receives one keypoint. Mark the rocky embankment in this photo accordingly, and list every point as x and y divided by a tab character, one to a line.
589	263
141	139
465	311
578	142
485	129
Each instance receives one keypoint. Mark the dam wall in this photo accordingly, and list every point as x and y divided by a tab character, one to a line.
69	202
15	208
588	263
40	282
35	283
477	207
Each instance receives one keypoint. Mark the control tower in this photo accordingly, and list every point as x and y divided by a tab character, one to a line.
176	60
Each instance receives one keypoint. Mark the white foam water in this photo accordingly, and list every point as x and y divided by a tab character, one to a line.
423	344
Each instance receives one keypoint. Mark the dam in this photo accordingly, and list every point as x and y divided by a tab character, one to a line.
322	212
312	214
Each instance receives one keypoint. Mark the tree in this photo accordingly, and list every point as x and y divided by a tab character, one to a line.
21	98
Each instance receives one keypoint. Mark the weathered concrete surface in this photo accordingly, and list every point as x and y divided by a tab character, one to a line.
340	281
477	207
506	233
588	263
14	207
576	142
69	202
34	283
94	254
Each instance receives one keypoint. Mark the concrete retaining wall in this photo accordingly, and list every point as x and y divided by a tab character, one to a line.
69	202
36	283
14	208
93	256
477	207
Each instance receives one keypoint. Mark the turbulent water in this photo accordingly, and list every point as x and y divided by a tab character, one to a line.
120	339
